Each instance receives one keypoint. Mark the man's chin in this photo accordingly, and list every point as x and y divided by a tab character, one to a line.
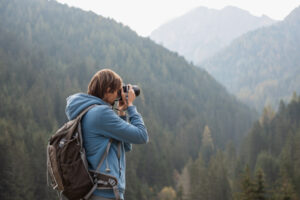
112	103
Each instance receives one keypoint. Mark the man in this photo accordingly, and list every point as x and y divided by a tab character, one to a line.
101	123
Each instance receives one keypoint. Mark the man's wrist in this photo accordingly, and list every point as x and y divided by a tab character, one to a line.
130	104
122	113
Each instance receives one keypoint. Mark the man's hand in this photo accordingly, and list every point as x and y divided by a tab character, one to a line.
131	95
124	103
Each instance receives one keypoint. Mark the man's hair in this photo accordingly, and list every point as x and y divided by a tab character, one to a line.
103	80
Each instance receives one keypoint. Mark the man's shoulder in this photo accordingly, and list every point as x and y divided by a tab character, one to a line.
100	111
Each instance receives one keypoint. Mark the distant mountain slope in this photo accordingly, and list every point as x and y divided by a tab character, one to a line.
49	51
202	32
262	66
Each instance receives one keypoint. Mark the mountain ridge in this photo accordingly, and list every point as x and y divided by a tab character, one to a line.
261	67
201	32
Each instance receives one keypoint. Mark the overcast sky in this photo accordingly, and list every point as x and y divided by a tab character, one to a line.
143	16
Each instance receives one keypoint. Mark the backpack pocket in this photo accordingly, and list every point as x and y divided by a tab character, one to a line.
76	178
52	166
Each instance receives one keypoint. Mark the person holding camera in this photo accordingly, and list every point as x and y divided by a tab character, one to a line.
101	125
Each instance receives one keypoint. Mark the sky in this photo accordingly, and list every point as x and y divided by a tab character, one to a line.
144	16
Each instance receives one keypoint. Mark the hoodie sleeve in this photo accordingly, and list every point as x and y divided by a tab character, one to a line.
112	126
127	146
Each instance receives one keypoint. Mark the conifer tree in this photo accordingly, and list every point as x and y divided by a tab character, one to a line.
183	183
285	190
247	186
260	188
267	115
207	144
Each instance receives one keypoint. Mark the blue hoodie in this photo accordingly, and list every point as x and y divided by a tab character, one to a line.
100	124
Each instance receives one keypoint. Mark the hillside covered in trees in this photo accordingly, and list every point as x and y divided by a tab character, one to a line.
266	167
262	66
49	51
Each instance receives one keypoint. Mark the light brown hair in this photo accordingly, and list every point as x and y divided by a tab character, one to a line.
103	80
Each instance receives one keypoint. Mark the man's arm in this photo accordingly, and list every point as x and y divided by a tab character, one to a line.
109	124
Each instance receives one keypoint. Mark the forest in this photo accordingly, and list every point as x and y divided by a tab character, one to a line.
267	167
203	141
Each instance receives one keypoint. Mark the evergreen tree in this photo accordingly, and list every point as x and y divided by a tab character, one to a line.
247	186
267	115
207	145
260	188
184	182
284	190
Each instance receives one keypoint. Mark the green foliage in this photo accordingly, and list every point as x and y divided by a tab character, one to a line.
273	146
260	189
269	165
22	155
247	186
253	190
285	191
209	181
207	145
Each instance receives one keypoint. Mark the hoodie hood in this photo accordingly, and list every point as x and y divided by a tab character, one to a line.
78	102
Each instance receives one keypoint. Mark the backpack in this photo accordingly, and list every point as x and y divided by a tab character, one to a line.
68	167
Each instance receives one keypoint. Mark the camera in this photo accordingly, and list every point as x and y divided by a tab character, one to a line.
125	89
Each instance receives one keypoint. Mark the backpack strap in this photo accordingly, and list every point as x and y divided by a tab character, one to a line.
84	111
79	124
106	153
104	156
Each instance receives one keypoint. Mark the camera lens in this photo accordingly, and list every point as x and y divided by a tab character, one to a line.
136	90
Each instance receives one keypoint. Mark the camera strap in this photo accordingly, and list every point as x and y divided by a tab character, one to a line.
126	95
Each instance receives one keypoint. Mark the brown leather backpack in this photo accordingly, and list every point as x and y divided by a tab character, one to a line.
68	167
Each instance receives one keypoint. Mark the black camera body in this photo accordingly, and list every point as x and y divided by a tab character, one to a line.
125	89
135	88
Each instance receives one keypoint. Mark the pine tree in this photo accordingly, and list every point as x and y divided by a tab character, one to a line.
207	144
218	178
285	190
183	183
247	186
267	115
260	188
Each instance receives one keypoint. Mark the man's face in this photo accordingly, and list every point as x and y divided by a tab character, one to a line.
110	97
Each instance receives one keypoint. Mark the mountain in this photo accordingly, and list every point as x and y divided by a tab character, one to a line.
262	66
202	32
49	51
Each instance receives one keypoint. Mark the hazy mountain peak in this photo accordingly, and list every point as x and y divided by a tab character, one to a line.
201	8
294	15
234	9
203	31
265	16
